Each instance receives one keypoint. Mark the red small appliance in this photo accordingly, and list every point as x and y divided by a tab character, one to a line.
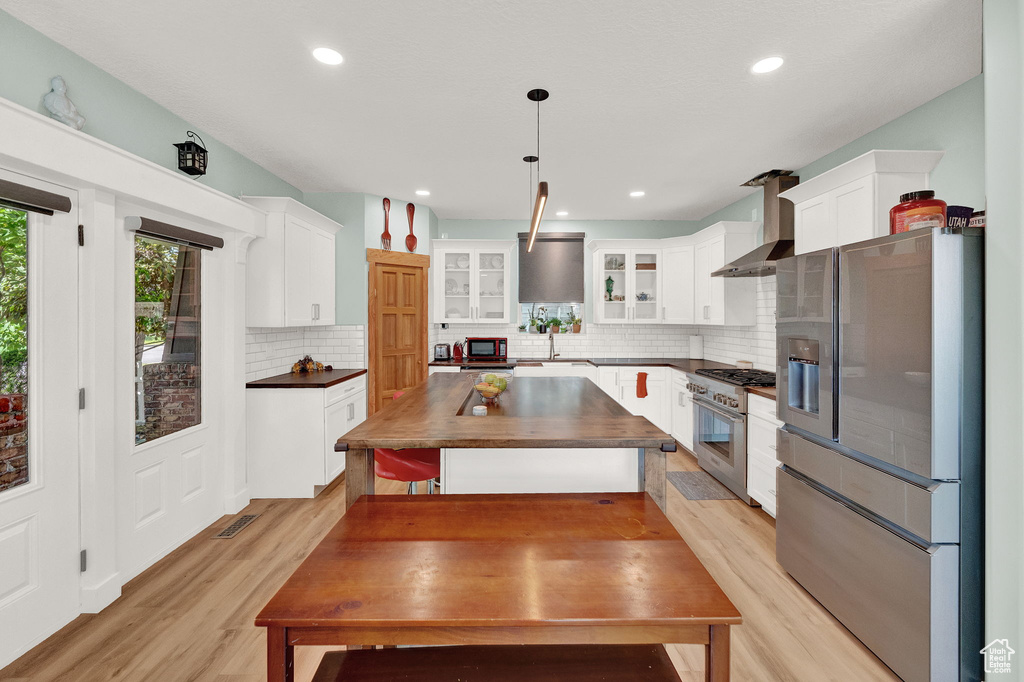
491	348
456	352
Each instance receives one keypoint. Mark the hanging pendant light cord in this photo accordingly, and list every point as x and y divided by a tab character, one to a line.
538	140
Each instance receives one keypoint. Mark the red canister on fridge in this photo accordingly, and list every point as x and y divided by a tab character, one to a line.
917	209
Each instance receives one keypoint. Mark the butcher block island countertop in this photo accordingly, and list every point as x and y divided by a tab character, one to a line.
534	413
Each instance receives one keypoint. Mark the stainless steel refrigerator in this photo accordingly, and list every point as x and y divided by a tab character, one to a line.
880	373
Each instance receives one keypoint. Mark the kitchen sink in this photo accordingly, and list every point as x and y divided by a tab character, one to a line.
565	364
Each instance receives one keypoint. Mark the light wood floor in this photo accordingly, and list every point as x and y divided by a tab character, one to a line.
190	616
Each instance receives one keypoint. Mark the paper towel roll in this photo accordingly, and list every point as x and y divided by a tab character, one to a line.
696	347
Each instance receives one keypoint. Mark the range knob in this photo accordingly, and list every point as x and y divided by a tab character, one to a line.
733	402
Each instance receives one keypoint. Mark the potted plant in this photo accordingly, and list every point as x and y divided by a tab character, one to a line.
541	322
576	321
555	323
533	318
522	328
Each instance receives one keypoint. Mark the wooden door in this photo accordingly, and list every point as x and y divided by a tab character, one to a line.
398	323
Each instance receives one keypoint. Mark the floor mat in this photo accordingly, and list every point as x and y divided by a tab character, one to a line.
699	485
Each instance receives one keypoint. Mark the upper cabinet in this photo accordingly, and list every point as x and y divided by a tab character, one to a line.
724	301
628	286
678	282
471	282
851	202
290	273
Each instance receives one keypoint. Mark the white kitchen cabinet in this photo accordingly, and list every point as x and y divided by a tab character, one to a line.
628	286
290	273
443	369
558	369
724	301
678	285
291	434
655	405
608	380
762	458
682	411
851	202
472	282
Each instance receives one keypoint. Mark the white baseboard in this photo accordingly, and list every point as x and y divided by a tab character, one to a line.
95	598
237	502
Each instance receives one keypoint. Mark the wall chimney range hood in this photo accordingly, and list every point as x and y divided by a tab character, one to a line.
778	229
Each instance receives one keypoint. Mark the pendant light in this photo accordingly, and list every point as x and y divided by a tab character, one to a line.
538	96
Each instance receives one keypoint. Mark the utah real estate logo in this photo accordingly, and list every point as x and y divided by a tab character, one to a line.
997	657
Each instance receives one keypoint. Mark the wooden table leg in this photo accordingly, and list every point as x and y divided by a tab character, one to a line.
280	656
359	477
716	660
654	475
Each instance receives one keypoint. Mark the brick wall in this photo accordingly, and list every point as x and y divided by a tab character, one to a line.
171	397
13	441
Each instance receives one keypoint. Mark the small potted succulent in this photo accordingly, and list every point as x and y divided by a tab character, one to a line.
522	328
555	323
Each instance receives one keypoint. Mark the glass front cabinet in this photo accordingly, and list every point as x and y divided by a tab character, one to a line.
472	283
628	286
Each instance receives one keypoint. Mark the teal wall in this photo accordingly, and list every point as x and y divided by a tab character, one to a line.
116	113
1004	322
363	218
954	121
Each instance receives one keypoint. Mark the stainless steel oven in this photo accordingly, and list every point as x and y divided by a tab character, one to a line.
720	432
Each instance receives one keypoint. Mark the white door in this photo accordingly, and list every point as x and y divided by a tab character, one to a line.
702	283
39	505
716	285
298	299
170	480
323	282
678	285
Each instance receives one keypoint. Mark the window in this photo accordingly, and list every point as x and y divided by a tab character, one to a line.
14	469
167	338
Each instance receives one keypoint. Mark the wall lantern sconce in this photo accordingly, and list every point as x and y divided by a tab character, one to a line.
192	155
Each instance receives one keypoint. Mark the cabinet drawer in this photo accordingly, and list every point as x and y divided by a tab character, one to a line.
761	481
344	390
761	437
759	406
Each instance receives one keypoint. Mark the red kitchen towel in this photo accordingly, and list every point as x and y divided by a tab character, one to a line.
641	384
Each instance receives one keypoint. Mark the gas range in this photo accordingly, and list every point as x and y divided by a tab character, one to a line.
726	387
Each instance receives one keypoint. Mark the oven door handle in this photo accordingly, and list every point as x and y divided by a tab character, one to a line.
714	408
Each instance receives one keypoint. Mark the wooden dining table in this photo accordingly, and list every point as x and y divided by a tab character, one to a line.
497	569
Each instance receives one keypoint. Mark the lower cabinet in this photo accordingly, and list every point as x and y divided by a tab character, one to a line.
291	434
762	460
441	369
655	405
682	411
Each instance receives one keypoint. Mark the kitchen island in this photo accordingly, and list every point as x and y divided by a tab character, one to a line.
538	421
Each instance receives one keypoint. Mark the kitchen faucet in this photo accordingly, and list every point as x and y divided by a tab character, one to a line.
551	339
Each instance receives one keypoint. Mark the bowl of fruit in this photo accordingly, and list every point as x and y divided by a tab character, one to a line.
492	384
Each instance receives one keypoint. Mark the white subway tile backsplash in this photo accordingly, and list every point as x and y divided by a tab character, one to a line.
273	351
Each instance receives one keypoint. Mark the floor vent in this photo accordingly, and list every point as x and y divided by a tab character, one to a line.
235	528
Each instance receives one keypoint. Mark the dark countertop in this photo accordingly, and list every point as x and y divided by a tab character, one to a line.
684	364
323	379
484	364
763	391
536	412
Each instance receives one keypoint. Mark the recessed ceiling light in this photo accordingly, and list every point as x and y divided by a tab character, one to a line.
423	192
328	56
562	213
766	65
637	193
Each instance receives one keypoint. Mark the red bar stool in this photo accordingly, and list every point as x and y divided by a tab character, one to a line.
408	465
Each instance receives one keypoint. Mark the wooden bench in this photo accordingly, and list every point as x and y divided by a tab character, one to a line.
583	663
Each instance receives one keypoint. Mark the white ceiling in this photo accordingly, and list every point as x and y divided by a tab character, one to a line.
653	95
